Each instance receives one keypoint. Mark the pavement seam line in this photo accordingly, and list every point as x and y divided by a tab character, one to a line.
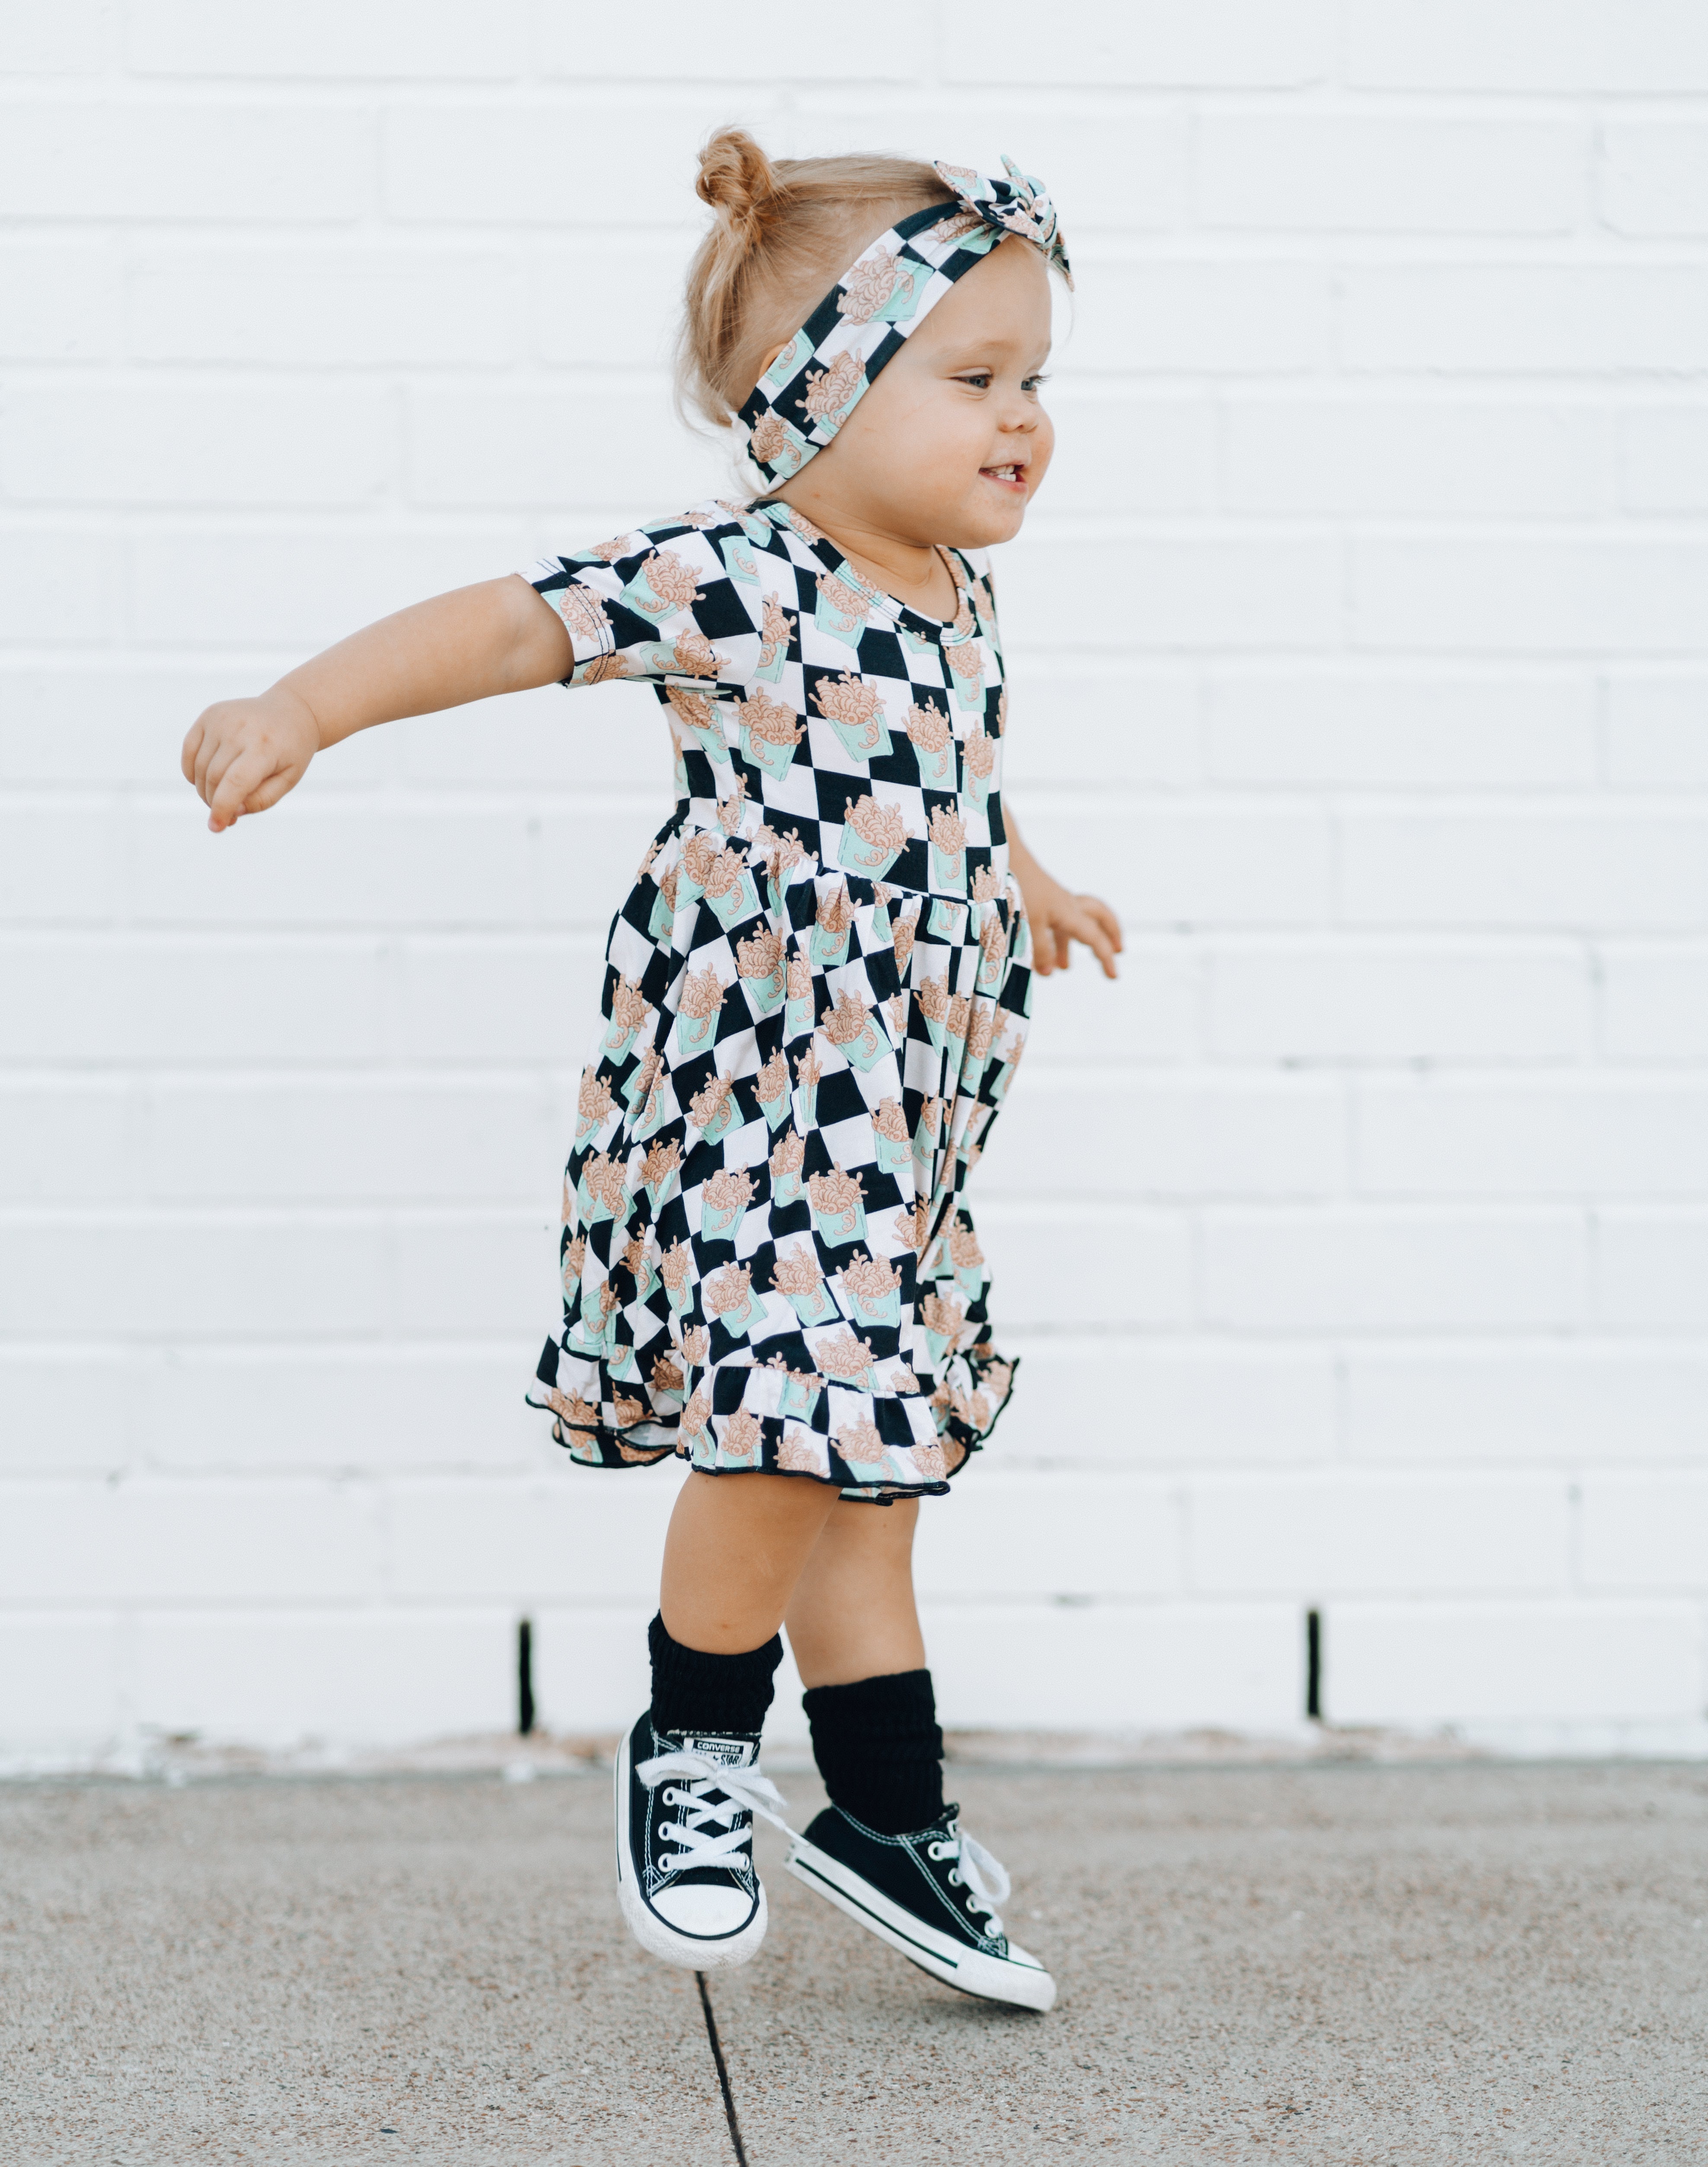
729	2112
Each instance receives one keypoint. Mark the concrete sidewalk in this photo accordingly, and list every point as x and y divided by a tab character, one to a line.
1371	1965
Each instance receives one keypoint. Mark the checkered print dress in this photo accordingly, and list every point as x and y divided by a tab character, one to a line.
815	997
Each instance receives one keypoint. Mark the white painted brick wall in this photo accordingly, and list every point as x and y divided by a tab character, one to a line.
1357	1243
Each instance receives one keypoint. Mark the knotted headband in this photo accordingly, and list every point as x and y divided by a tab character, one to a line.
857	329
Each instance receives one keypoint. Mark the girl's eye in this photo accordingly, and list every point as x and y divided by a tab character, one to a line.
1035	383
979	378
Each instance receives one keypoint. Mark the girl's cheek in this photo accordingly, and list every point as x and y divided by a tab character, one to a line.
1043	449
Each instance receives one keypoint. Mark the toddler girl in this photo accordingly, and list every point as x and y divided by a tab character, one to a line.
816	993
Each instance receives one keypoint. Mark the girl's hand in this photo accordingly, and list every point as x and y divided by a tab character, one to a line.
242	755
1057	917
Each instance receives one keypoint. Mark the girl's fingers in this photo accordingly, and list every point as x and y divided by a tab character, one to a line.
186	758
1106	918
243	775
206	750
1090	928
271	789
216	767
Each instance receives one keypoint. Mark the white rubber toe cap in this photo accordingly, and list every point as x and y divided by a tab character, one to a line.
701	1910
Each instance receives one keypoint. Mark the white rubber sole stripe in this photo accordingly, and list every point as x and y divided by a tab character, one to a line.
1026	1985
688	1952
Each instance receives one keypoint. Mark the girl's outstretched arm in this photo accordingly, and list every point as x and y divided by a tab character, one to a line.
1057	916
242	755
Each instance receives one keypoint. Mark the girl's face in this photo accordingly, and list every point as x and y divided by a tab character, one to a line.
950	443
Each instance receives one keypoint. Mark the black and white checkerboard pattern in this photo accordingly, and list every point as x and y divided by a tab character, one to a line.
816	994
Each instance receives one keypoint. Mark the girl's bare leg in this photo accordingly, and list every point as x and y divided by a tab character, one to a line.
735	1549
852	1614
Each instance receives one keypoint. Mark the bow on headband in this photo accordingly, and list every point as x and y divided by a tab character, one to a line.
859	326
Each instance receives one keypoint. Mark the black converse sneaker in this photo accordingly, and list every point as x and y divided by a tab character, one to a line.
925	1894
685	1836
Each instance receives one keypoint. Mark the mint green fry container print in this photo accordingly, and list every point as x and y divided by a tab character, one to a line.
659	1171
599	1193
966	667
979	761
730	893
724	1198
789	364
854	1030
699	853
972	1142
657	1108
948	832
839	1207
698	1007
968	1258
928	1140
872	1288
776	631
883	289
932	995
699	715
780	859
832	924
780	444
957	1019
798	1006
760	965
874	835
862	1450
799	1394
945	922
841	610
894	1146
661	924
741	1439
740	560
933	741
774	1096
768	734
645	1268
798	1276
593	1105
943	1319
730	1300
993	949
663	586
676	1269
714	1110
855	711
696	1426
808	1070
845	1360
628	1016
788	1157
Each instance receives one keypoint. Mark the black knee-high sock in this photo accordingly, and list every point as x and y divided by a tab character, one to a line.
880	1750
718	1696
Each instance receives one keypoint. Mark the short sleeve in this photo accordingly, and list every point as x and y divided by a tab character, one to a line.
656	604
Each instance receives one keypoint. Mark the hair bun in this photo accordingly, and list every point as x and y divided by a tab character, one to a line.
736	179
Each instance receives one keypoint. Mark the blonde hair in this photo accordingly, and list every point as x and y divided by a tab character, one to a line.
784	233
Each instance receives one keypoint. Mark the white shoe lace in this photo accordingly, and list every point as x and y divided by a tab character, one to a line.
709	1795
972	1863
